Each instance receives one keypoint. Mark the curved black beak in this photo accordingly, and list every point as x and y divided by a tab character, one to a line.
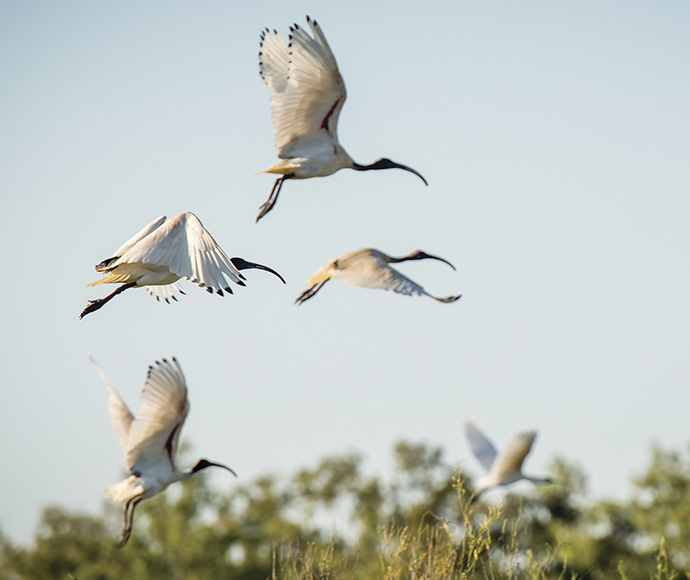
242	264
385	163
223	467
406	168
424	255
205	463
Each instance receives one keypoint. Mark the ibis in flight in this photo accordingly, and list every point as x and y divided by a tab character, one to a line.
504	467
371	268
165	251
150	440
307	94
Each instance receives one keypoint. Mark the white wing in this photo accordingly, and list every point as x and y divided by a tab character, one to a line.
166	292
483	449
511	457
307	91
188	250
155	432
120	416
274	60
369	271
136	238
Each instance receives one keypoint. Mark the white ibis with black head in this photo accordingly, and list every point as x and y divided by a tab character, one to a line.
371	268
504	467
307	94
165	251
150	440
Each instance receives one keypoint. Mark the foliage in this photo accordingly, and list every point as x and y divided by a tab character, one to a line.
334	521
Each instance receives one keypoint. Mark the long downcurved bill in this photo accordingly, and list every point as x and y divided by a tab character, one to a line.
386	163
205	464
406	168
223	467
242	264
440	259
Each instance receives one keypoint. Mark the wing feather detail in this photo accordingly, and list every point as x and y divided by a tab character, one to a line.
120	416
188	250
307	91
163	411
369	271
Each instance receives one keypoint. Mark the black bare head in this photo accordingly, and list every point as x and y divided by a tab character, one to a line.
204	463
422	255
242	264
385	163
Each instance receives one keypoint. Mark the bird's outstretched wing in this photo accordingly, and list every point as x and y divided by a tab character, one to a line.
307	91
154	225
369	271
481	446
155	432
120	416
166	293
187	249
511	457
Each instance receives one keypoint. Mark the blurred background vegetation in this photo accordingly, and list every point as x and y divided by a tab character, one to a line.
333	521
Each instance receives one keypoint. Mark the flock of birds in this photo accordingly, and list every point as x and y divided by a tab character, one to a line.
307	95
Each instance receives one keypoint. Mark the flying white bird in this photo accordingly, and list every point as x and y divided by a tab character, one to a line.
150	439
370	268
502	468
165	251
307	94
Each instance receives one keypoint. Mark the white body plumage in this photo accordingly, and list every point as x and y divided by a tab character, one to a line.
165	251
370	268
504	467
151	439
307	95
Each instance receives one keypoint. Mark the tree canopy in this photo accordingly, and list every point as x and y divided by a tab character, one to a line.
334	520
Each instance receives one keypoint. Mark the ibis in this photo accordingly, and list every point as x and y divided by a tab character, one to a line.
371	268
307	95
504	467
150	440
165	251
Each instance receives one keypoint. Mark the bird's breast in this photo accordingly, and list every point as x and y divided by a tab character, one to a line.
149	274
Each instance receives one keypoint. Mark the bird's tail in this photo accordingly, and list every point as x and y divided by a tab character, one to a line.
124	490
121	274
282	167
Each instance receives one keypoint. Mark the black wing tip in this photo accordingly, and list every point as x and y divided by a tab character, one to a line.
450	299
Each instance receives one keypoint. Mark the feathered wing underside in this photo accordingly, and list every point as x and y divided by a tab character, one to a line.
166	292
307	91
370	271
511	457
140	235
188	250
273	61
120	416
155	432
481	446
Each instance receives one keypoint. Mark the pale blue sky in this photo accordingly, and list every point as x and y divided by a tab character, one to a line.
555	138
